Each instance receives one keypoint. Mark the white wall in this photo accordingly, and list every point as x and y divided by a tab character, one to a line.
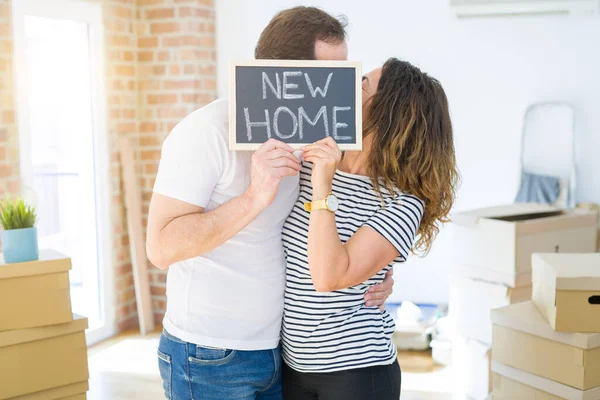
491	68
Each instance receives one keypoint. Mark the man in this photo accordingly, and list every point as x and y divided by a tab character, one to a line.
215	222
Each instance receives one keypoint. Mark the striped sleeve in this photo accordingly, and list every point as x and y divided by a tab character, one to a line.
399	222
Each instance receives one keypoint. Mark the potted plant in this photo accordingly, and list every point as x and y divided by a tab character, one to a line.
19	238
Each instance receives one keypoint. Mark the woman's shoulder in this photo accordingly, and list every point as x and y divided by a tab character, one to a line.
401	198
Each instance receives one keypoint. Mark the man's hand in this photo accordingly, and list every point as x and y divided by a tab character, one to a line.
270	163
378	294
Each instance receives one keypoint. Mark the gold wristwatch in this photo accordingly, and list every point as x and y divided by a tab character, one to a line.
329	203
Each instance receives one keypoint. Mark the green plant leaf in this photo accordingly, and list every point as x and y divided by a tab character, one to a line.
16	214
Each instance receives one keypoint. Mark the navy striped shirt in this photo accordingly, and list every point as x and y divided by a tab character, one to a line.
326	332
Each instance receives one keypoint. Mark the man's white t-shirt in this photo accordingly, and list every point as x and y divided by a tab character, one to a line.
231	297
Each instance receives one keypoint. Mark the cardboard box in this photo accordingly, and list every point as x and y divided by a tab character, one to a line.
567	290
495	244
471	363
471	301
35	293
38	359
523	339
511	383
75	391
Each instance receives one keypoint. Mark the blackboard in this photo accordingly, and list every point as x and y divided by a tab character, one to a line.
297	102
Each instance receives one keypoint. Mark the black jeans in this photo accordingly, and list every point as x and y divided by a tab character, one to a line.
372	383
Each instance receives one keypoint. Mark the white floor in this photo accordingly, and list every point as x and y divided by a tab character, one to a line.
126	368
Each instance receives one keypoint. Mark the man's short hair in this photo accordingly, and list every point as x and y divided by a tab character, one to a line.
292	34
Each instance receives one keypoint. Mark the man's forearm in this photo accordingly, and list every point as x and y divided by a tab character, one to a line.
192	235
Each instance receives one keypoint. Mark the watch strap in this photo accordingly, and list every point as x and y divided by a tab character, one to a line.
316	205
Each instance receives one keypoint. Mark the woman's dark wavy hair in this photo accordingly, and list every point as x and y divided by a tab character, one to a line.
412	144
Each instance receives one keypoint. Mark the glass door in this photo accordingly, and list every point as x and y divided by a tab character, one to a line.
59	52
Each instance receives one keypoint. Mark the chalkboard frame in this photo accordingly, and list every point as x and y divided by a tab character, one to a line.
234	146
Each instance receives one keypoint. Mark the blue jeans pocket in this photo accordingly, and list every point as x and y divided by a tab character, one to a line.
164	367
212	356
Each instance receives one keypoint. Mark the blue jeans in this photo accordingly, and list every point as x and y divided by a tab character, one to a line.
191	372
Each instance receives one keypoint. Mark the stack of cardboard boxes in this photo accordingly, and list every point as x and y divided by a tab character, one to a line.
549	348
492	268
43	353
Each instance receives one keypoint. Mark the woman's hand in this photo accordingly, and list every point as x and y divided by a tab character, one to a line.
325	156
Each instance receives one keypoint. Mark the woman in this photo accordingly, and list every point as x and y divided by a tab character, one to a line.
366	209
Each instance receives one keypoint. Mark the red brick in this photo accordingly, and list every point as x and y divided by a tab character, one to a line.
130	323
6	47
149	85
200	98
125	70
164	27
176	41
150	141
159	13
195	26
14	186
5	30
158	319
124	269
172	112
131	85
159	69
6	170
128	113
207	70
190	69
164	56
116	25
170	126
162	98
209	84
148	42
147	127
119	40
179	85
142	3
128	127
208	41
128	56
144	56
151	168
4	10
8	117
118	85
126	296
122	312
175	70
151	155
120	11
193	55
158	290
195	12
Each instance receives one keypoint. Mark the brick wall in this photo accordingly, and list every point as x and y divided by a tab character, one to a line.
122	112
177	75
160	66
9	156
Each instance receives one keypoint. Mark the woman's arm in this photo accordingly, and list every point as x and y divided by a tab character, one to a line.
334	265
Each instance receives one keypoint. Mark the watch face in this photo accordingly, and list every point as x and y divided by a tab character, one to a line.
332	202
